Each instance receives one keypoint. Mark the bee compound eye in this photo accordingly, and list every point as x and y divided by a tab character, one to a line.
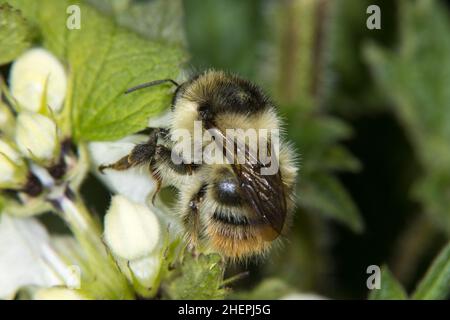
205	112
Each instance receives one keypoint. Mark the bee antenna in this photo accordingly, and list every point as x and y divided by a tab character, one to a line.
151	84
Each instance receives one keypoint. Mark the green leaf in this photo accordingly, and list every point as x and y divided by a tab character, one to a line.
317	131
338	158
390	288
433	189
325	194
111	6
166	25
268	289
15	33
201	278
318	140
319	190
436	283
104	60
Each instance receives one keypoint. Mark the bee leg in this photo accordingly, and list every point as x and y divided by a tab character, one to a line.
140	154
120	165
191	219
164	155
158	180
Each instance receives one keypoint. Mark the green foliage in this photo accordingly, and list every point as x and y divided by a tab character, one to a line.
200	278
327	196
416	78
165	24
390	288
292	70
298	88
319	189
224	34
15	33
308	56
104	60
436	283
268	289
349	89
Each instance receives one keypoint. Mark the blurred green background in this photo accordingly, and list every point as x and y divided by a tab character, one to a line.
367	110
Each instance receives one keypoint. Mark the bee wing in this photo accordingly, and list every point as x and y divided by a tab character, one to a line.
265	196
263	193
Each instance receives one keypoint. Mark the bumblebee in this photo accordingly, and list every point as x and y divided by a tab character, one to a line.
229	207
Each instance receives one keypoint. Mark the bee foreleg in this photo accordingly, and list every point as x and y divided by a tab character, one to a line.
140	154
122	164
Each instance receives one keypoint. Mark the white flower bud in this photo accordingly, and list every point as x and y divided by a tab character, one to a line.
132	230
58	294
12	168
28	77
36	136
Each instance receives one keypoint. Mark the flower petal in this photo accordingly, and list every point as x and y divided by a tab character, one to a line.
36	135
303	296
22	245
58	294
135	183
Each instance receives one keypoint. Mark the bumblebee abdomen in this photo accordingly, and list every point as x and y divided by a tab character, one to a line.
236	241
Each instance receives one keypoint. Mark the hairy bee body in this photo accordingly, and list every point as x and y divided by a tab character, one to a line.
228	207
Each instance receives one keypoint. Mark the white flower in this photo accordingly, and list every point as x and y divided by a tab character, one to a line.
132	231
161	121
58	294
36	136
135	183
26	257
28	77
12	168
303	296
